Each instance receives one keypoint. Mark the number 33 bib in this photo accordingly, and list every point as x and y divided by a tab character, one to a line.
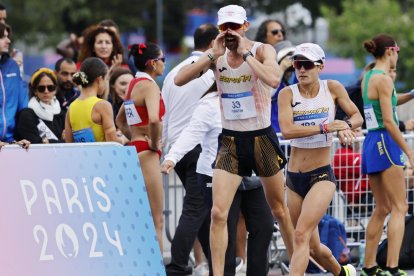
238	105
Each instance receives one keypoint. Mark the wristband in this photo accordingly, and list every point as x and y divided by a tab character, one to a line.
412	93
210	57
245	55
325	131
321	128
349	123
325	128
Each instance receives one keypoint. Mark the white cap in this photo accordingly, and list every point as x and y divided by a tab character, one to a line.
310	51
283	48
231	13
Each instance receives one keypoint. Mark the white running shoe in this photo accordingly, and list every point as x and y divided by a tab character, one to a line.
350	270
239	264
201	270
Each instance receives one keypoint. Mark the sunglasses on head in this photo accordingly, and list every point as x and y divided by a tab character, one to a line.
276	31
394	48
307	64
42	88
230	25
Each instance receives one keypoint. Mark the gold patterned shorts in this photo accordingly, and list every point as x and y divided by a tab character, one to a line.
242	152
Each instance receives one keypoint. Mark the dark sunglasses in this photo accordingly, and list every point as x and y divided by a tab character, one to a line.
160	58
155	59
307	64
394	48
42	88
230	25
276	31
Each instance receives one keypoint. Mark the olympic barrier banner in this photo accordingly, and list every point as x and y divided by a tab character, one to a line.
75	210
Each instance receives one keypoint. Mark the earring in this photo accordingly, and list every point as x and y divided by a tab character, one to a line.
154	68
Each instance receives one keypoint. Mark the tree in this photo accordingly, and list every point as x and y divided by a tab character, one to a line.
45	22
361	20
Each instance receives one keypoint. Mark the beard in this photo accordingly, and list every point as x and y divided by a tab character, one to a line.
231	42
67	85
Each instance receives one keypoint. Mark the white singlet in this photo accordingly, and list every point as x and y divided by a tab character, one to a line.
245	100
314	111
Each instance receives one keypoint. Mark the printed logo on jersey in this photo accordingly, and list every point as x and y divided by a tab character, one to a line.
301	115
242	78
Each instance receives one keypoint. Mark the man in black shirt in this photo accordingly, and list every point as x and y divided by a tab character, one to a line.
67	91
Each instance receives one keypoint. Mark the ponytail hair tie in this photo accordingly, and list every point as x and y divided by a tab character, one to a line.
81	78
140	47
136	49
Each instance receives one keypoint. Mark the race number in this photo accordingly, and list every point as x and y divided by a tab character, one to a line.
238	105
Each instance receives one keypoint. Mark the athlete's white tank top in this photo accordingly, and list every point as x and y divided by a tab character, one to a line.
245	100
314	111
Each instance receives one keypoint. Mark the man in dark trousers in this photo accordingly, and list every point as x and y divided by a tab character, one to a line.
180	103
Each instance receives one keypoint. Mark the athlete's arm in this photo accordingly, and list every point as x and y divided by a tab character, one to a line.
68	128
197	69
288	128
121	122
383	84
265	65
342	99
104	109
152	96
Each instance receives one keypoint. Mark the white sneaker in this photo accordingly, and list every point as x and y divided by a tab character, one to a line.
350	270
239	264
201	270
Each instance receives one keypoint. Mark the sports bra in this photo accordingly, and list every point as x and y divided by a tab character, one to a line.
142	110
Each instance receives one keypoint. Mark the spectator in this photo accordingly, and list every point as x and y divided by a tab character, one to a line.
13	96
110	24
284	50
70	47
22	143
409	124
180	103
3	14
119	80
271	31
89	118
140	118
67	91
43	121
104	43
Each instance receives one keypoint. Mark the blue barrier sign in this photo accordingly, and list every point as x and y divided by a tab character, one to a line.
75	210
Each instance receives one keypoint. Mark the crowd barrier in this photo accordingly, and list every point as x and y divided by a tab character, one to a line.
75	209
351	204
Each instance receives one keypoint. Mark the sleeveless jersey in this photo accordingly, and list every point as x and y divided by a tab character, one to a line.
310	112
372	108
245	100
139	116
80	117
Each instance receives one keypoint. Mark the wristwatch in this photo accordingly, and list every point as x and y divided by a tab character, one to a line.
245	55
349	123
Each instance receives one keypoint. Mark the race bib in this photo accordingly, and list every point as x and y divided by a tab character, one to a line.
313	117
370	118
83	135
45	132
238	105
131	113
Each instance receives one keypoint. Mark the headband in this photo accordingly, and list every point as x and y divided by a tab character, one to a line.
40	71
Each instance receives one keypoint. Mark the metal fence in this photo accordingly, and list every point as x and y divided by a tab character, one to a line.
351	204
